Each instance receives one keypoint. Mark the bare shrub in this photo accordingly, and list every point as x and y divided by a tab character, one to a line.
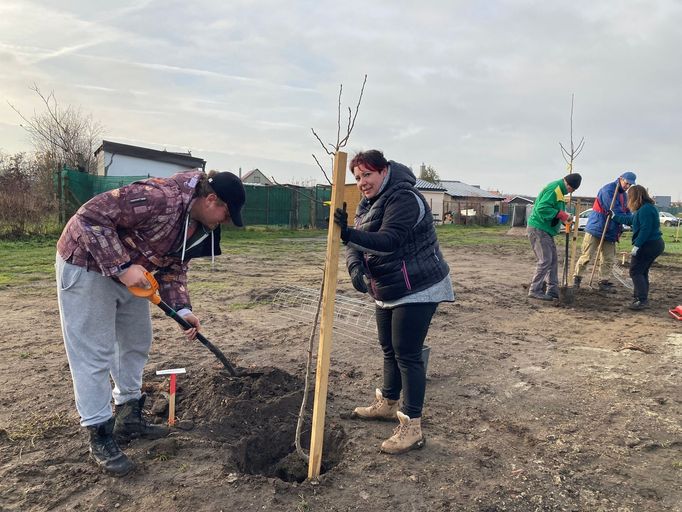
27	202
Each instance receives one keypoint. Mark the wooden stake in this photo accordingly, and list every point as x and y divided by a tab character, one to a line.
171	402
331	268
576	227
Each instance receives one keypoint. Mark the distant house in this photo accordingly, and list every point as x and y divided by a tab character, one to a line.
434	193
470	200
256	177
116	159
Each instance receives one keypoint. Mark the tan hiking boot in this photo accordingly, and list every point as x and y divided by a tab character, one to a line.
406	436
382	409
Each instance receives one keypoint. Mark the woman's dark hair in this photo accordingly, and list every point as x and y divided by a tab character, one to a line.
637	196
373	159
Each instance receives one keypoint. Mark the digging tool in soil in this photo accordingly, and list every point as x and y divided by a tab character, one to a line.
152	293
566	293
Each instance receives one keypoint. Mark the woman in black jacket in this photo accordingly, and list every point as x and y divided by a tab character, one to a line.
393	254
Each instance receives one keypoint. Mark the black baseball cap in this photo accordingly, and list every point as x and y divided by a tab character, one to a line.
230	189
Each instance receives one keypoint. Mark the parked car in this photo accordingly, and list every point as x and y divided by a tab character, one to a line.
582	221
668	219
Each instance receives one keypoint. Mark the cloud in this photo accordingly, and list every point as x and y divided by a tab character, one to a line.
480	91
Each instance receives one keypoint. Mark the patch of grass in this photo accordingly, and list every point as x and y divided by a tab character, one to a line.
451	235
236	306
37	427
27	260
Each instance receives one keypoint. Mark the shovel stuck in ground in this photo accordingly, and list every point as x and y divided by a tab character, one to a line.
152	293
566	293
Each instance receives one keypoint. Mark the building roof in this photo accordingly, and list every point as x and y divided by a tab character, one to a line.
427	185
183	159
259	172
527	199
459	189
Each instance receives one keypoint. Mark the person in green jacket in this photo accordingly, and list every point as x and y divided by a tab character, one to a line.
647	241
549	212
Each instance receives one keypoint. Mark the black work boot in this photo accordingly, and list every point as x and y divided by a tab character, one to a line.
576	281
105	451
130	424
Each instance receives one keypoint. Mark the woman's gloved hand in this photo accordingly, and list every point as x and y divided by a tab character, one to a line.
341	220
357	276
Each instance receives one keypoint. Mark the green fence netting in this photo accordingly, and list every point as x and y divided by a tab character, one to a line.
281	206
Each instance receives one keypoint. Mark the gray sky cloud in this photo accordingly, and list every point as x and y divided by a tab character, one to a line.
479	90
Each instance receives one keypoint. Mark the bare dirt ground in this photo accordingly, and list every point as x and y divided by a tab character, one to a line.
530	406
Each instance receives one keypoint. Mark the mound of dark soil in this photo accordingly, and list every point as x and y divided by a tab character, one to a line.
254	416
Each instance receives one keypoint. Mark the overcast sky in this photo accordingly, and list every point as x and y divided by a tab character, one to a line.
481	91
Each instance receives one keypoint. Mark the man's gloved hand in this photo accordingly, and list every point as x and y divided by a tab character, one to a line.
563	216
357	276
341	220
634	250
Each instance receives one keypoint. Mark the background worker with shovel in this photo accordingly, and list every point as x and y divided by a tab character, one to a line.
155	225
610	197
549	212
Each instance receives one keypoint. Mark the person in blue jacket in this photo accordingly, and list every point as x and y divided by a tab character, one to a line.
647	241
595	227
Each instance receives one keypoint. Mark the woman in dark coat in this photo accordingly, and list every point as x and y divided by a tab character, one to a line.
393	254
647	241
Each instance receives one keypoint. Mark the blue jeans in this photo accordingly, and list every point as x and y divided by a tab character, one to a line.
402	331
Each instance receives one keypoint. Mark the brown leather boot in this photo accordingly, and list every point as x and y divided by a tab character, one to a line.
382	409
406	436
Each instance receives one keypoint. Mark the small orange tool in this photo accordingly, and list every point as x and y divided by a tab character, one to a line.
676	313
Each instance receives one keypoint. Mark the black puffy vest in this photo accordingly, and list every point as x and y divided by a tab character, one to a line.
413	266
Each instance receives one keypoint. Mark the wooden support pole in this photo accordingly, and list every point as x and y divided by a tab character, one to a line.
574	247
331	268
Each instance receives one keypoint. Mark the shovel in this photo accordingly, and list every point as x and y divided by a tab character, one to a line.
152	293
566	293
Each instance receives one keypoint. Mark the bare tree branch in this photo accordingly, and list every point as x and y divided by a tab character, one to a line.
322	169
297	189
357	109
321	143
340	141
338	117
64	135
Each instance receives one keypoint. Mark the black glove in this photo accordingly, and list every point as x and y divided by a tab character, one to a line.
357	276
341	220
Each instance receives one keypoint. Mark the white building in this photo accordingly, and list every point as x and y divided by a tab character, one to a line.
115	159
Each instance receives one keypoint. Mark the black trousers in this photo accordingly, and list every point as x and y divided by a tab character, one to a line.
402	331
640	265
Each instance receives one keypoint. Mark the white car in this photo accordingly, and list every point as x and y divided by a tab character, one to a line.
668	219
582	221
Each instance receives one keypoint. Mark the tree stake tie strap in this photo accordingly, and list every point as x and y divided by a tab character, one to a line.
171	392
152	293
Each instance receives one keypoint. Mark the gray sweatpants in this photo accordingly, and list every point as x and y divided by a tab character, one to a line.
107	332
546	270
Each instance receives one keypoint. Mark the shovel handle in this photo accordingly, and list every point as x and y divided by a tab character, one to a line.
186	325
152	293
